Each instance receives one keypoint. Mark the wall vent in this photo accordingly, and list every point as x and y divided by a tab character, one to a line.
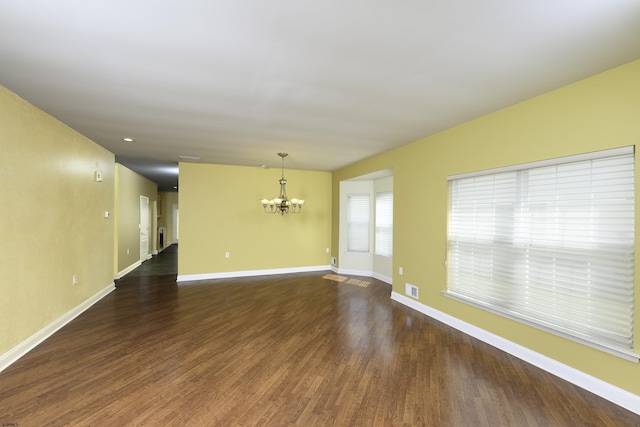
411	290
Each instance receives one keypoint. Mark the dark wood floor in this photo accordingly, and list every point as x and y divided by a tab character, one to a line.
166	262
279	351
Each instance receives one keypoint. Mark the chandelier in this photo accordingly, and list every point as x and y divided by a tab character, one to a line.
282	204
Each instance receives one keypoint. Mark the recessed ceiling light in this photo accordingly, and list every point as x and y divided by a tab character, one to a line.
128	139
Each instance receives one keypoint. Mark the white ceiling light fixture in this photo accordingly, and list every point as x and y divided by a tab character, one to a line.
282	204
127	139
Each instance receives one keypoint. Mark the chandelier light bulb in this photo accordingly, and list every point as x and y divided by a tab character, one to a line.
282	204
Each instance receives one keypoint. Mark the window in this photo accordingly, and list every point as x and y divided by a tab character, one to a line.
384	224
358	214
551	244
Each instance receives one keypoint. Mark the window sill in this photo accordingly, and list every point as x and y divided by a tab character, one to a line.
615	351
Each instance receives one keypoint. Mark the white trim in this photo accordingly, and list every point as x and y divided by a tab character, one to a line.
247	273
549	162
27	345
129	269
382	278
601	388
552	329
366	273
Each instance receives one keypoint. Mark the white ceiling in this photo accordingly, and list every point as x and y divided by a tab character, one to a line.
328	81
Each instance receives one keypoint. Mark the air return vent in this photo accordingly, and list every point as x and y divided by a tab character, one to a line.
411	290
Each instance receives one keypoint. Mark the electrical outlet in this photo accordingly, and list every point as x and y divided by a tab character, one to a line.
127	251
75	279
334	261
226	254
400	271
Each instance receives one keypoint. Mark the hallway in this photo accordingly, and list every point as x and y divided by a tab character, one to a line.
166	262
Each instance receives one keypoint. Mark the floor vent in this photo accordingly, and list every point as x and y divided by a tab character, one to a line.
411	290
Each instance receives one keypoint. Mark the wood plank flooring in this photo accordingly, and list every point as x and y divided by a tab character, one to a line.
287	350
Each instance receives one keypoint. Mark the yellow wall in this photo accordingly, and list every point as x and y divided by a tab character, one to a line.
220	212
130	186
598	113
53	223
52	219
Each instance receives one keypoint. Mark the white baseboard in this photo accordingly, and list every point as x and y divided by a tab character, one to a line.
128	270
30	343
247	273
350	272
364	273
382	278
596	386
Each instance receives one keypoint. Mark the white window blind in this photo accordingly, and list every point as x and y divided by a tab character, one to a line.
551	244
358	222
384	224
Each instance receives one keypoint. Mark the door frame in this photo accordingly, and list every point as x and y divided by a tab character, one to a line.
145	223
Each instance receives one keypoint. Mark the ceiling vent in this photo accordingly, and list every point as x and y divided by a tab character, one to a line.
189	158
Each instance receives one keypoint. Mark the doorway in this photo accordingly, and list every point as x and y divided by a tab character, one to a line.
144	228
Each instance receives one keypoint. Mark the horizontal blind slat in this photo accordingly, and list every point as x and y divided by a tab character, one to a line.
555	243
358	220
384	224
